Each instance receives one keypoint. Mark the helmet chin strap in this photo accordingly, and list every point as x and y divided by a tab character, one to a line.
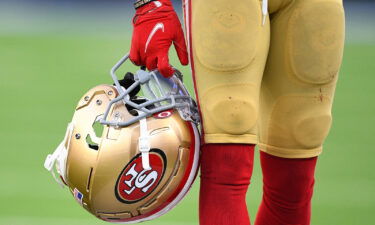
59	156
144	144
264	11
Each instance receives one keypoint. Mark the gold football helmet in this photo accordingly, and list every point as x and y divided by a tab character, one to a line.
127	158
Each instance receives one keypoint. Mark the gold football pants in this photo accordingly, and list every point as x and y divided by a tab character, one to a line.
271	83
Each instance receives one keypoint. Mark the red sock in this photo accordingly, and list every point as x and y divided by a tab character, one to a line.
225	176
287	190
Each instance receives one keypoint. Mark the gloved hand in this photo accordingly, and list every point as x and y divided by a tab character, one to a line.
156	26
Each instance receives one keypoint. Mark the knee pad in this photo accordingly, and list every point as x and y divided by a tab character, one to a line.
300	122
225	34
229	109
316	40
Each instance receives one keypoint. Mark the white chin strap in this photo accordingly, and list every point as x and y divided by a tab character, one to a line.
58	157
144	144
264	10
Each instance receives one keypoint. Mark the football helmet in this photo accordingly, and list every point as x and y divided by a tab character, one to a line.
128	158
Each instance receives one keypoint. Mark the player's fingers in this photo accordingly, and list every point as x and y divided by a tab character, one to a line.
180	46
134	52
151	63
163	65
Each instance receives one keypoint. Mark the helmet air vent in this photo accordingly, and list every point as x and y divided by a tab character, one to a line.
91	143
93	137
89	180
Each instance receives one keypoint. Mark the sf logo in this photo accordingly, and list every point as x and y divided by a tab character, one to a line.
135	183
142	180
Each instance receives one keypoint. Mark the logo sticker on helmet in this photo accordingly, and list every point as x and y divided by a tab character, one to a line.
136	183
164	114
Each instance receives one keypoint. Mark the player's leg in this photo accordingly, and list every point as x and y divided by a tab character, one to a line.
228	47
287	190
225	177
296	99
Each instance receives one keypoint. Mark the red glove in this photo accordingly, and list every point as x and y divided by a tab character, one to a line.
156	25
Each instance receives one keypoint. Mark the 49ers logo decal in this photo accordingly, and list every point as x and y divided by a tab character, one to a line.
136	183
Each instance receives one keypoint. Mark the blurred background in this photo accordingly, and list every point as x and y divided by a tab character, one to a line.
52	51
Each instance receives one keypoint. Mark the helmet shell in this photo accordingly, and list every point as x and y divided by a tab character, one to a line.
104	171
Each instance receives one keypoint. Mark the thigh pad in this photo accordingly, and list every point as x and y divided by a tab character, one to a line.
226	33
315	41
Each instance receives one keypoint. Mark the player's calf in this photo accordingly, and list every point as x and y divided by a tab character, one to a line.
287	190
225	176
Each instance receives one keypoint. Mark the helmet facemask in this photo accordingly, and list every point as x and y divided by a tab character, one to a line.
161	94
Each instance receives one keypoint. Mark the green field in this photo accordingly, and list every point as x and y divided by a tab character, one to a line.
42	76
